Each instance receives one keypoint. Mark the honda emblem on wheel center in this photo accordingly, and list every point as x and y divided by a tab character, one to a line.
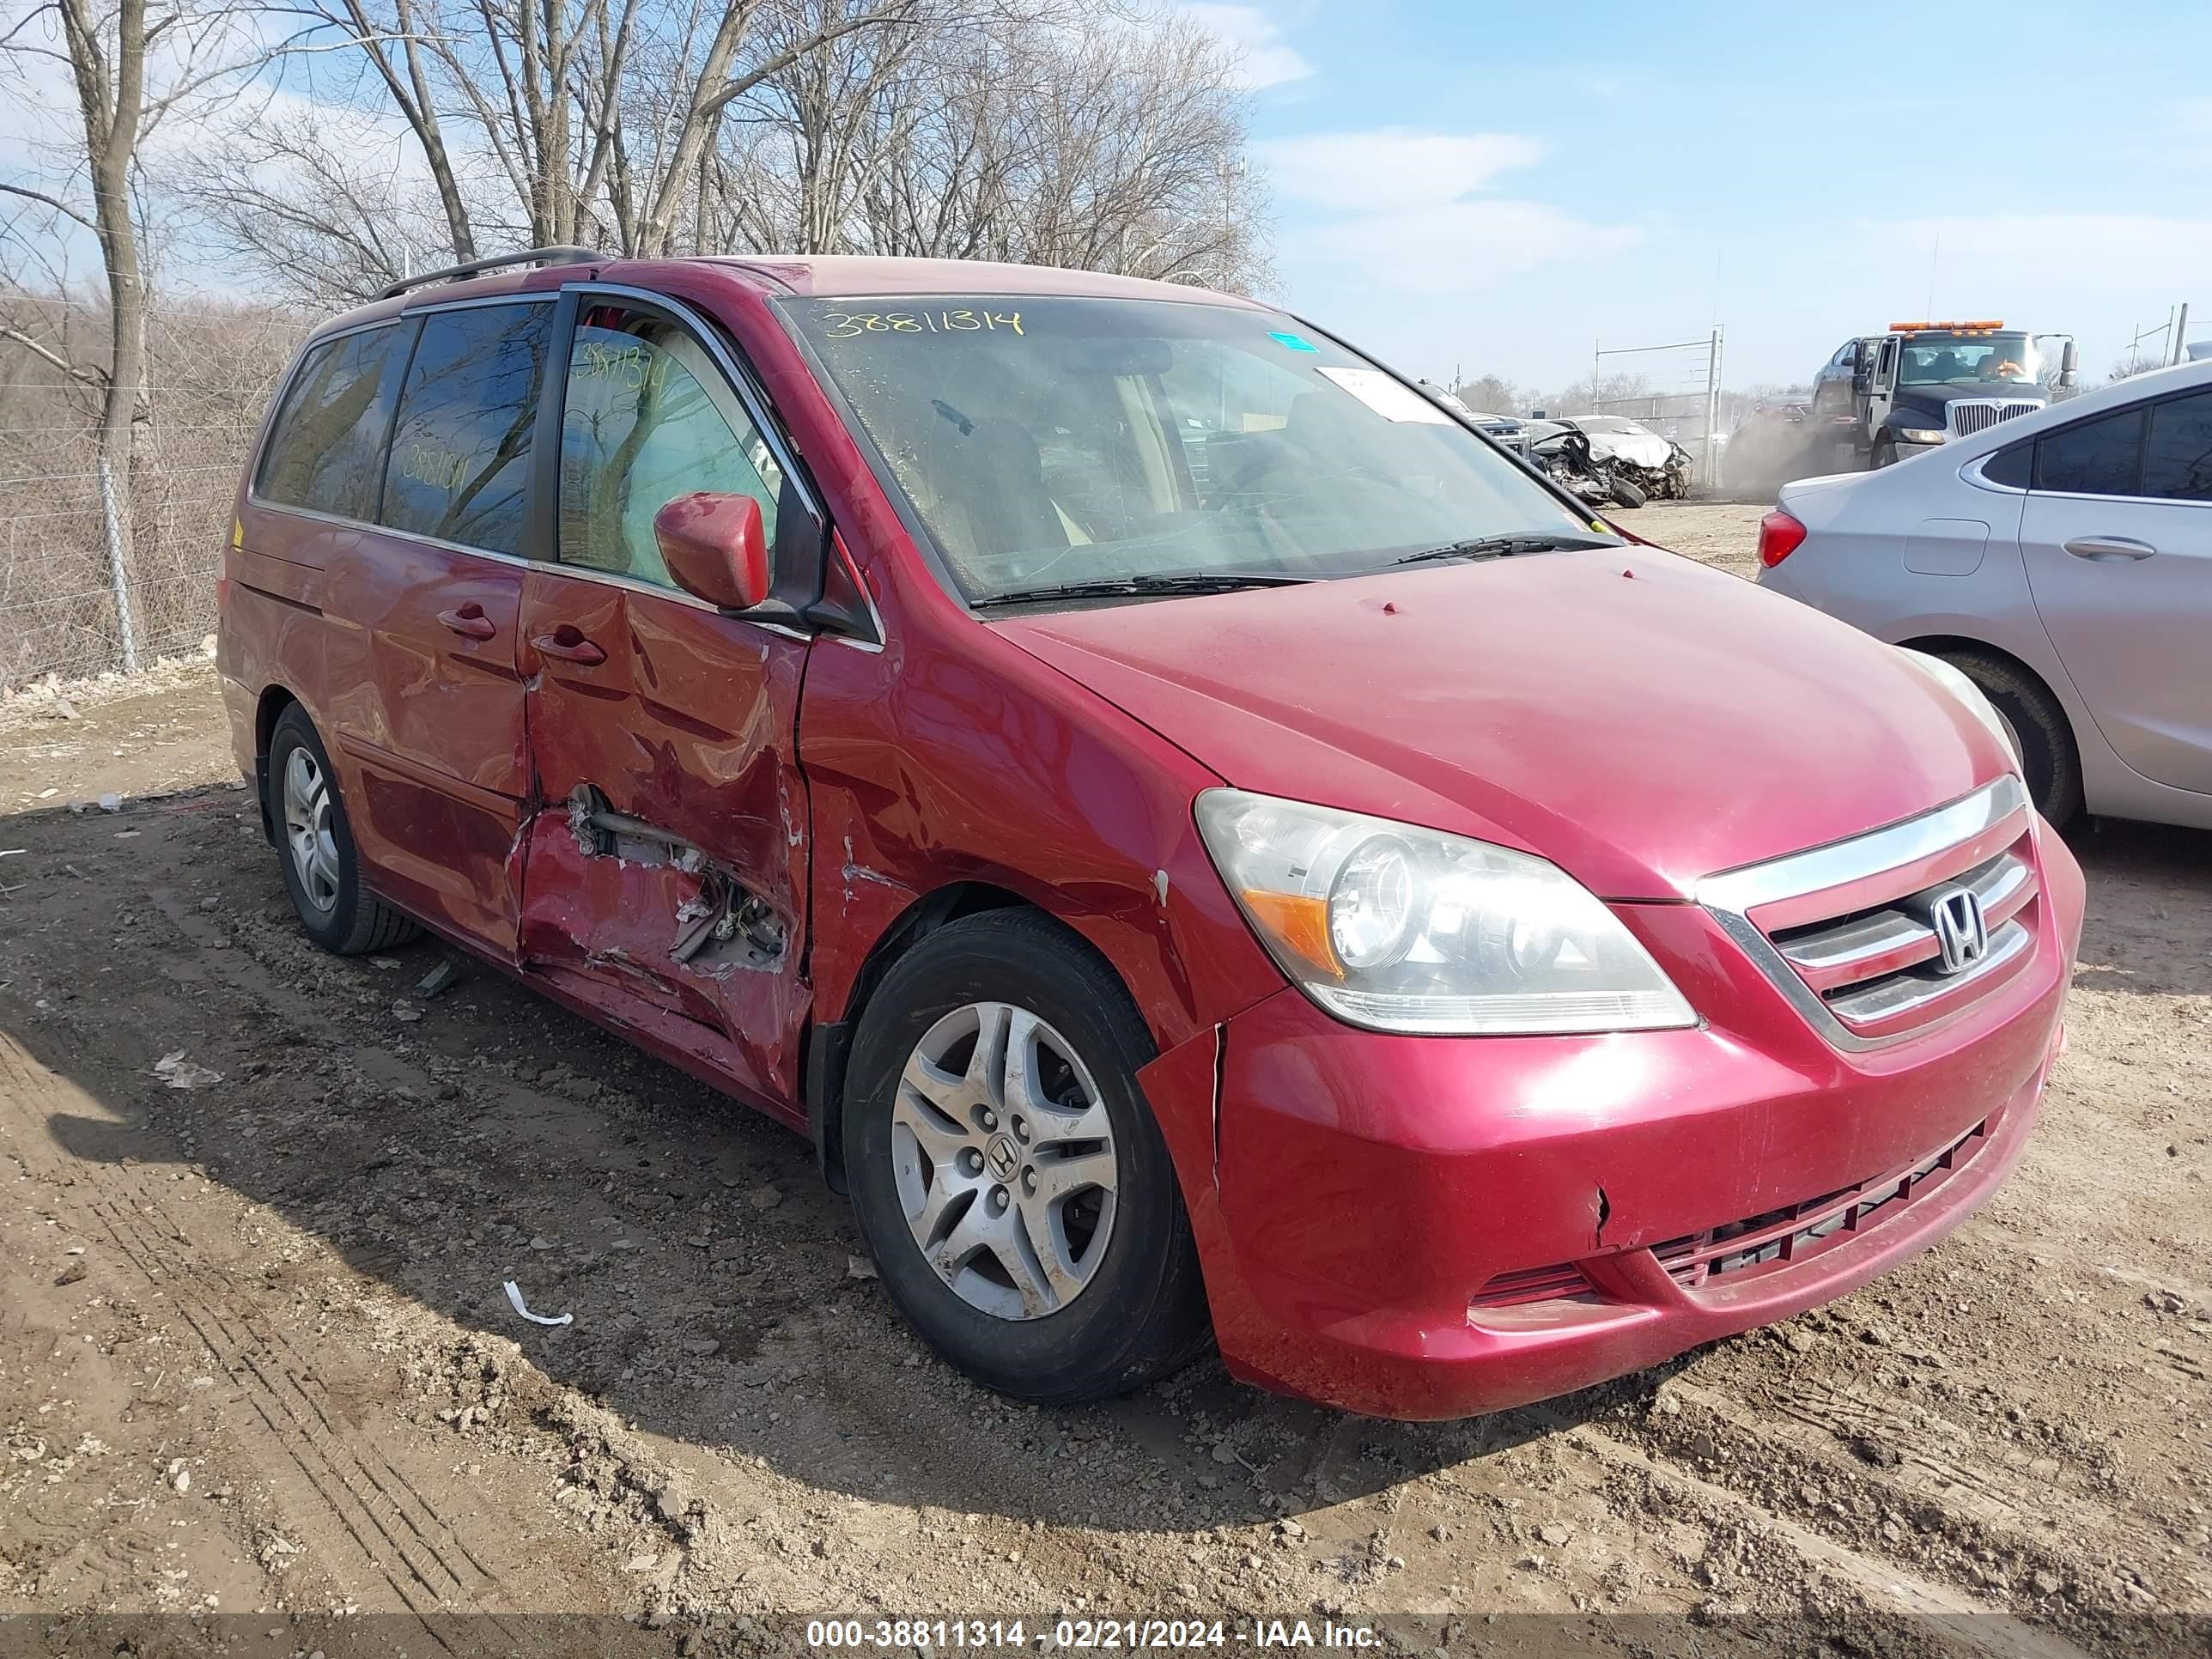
1962	934
1000	1153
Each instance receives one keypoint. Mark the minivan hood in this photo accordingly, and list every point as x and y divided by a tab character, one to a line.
1637	719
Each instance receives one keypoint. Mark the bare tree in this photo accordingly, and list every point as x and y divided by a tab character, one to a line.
1069	132
312	203
555	119
1488	394
1096	137
132	64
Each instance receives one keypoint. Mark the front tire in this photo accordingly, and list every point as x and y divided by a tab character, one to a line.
314	843
1885	455
2049	765
1006	1173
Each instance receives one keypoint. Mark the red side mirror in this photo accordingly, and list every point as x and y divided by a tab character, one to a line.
715	546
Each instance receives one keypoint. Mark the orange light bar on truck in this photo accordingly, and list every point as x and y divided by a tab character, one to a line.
1945	328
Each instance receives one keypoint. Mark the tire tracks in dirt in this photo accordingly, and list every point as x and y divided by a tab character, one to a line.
1973	1625
340	1493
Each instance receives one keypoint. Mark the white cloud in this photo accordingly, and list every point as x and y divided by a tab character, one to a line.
1390	168
1450	246
1264	58
1401	208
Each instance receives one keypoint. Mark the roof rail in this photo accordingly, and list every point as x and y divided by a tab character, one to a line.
535	255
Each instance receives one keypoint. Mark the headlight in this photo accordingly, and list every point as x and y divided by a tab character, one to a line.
1968	694
1402	929
1921	434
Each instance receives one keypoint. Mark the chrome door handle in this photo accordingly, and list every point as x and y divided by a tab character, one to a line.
568	643
469	621
2105	548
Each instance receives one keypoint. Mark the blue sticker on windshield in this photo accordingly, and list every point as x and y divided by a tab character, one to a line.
1294	341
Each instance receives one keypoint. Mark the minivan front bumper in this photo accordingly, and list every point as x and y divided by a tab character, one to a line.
1424	1227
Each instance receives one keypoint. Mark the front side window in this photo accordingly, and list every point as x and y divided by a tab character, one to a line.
326	445
2101	456
1053	440
2178	459
648	417
460	449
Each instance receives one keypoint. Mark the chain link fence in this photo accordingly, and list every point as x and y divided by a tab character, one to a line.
68	605
1674	389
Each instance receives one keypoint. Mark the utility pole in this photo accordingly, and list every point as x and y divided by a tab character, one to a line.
2180	334
1713	409
2164	329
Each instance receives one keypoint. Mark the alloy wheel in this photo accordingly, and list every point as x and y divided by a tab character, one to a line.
1003	1157
308	836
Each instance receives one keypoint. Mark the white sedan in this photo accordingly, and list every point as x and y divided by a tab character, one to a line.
2062	560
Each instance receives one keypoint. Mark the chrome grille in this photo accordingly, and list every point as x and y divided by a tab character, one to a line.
1967	416
1853	933
1884	964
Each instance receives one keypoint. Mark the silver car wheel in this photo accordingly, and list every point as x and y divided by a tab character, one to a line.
1004	1158
308	833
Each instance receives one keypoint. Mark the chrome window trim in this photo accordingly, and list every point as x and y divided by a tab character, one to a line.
2117	501
1729	895
1974	474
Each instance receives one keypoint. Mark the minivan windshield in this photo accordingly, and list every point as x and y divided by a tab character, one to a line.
1055	442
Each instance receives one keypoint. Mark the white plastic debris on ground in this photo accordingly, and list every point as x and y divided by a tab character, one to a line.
179	1072
514	1301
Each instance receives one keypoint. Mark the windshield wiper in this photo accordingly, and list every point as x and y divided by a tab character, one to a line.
1220	582
1501	547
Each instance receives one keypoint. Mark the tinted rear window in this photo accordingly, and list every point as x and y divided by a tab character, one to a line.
460	450
2103	457
326	445
2178	463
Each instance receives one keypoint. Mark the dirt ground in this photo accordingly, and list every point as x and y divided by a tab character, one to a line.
255	1357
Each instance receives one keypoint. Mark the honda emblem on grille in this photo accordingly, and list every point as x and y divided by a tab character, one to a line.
1962	934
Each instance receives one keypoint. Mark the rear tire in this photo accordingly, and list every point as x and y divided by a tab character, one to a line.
2050	763
314	844
1103	1293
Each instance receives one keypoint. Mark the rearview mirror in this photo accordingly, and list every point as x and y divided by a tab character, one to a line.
715	546
2070	364
1136	358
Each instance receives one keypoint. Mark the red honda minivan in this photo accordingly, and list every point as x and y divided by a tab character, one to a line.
1207	846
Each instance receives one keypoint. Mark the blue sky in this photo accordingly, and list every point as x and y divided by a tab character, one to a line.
1496	187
